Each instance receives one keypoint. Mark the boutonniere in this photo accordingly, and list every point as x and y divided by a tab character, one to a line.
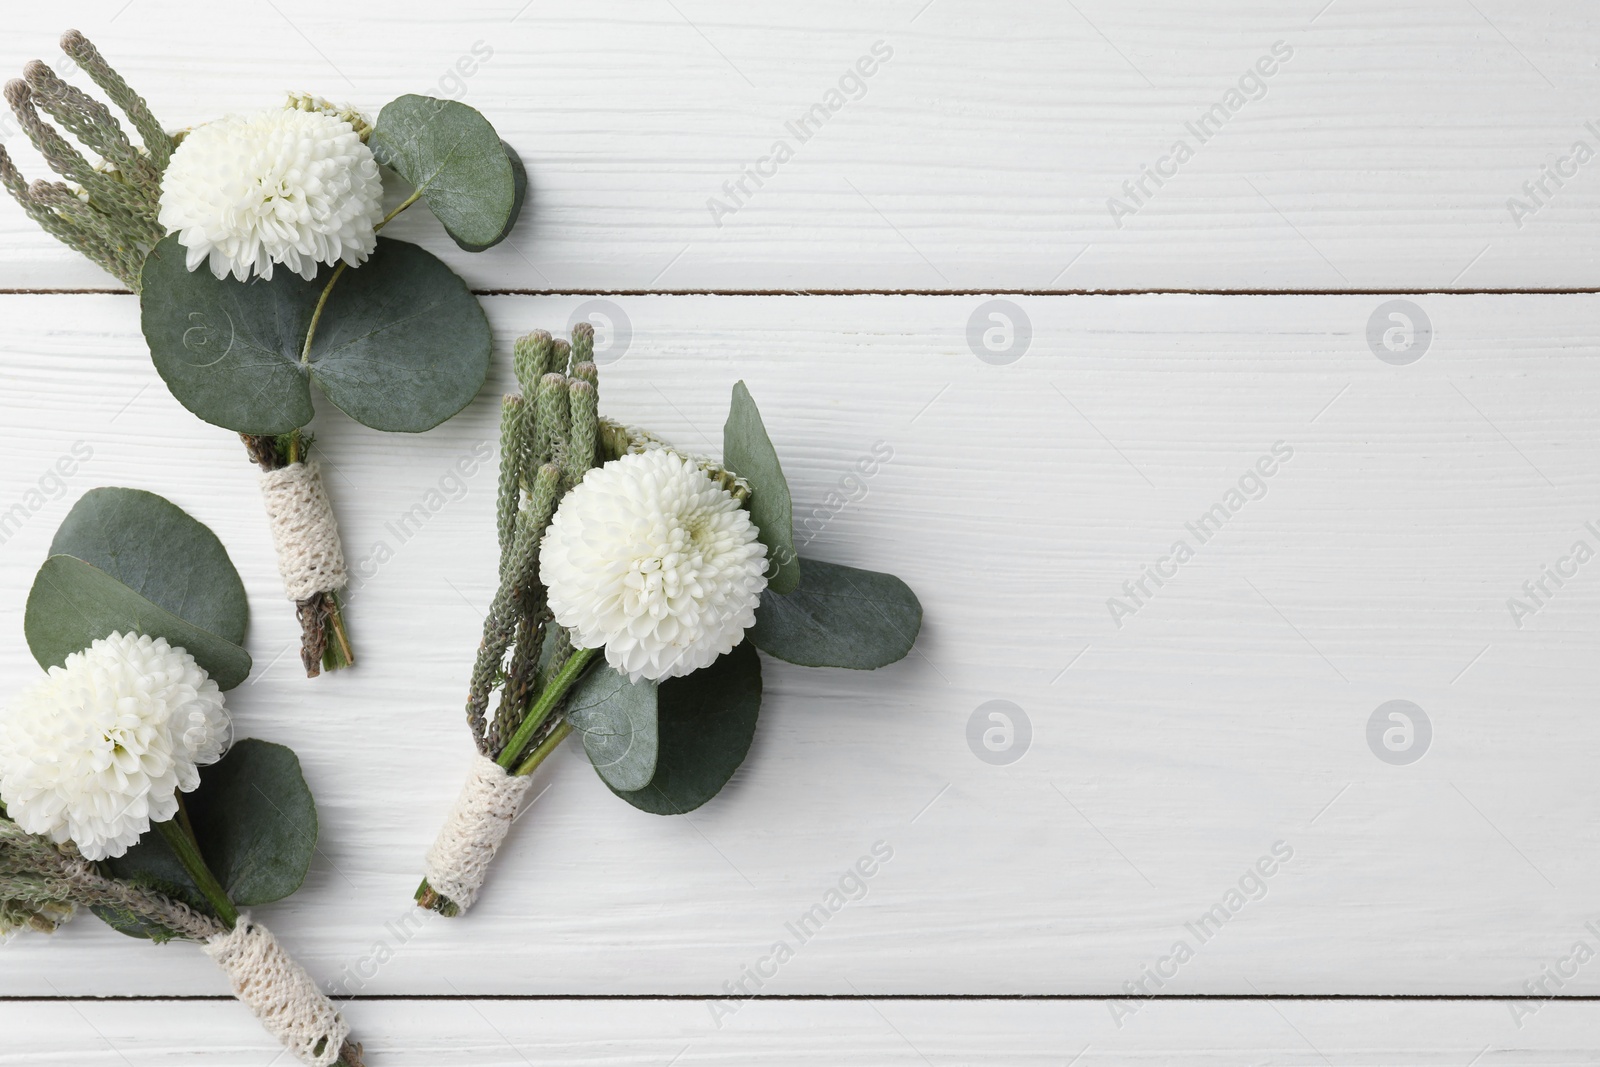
254	244
122	791
636	584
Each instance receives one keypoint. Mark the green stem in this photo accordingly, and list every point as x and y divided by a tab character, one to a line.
338	655
183	846
551	695
547	746
412	199
183	820
316	316
327	290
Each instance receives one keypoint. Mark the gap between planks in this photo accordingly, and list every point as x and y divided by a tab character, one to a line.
1589	291
706	998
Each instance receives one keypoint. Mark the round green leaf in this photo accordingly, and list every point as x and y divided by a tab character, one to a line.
229	350
162	553
705	720
519	177
453	157
748	452
617	720
839	617
73	604
402	344
255	822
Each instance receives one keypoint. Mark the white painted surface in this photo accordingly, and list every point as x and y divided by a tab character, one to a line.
1293	1033
981	155
1167	756
1226	715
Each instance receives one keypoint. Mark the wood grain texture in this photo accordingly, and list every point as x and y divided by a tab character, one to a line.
982	154
577	1033
1167	756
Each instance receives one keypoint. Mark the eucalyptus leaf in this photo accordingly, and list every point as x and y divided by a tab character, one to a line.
519	177
73	604
839	617
450	153
748	452
256	825
229	350
133	926
402	344
617	720
256	822
162	553
706	720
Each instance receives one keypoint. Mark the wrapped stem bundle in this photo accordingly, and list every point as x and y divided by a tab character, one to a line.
253	243
121	792
111	213
42	884
613	543
549	439
305	535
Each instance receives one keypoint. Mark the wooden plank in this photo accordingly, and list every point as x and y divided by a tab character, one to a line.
795	1033
1384	148
1168	756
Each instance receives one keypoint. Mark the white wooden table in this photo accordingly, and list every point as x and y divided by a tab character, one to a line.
1153	357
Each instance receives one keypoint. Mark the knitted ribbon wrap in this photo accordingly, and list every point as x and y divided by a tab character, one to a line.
459	860
282	995
303	531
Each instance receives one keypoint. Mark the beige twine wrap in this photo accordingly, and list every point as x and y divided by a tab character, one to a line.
303	531
459	860
282	995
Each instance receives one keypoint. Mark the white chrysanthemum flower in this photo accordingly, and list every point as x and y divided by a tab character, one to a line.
652	559
98	751
291	187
